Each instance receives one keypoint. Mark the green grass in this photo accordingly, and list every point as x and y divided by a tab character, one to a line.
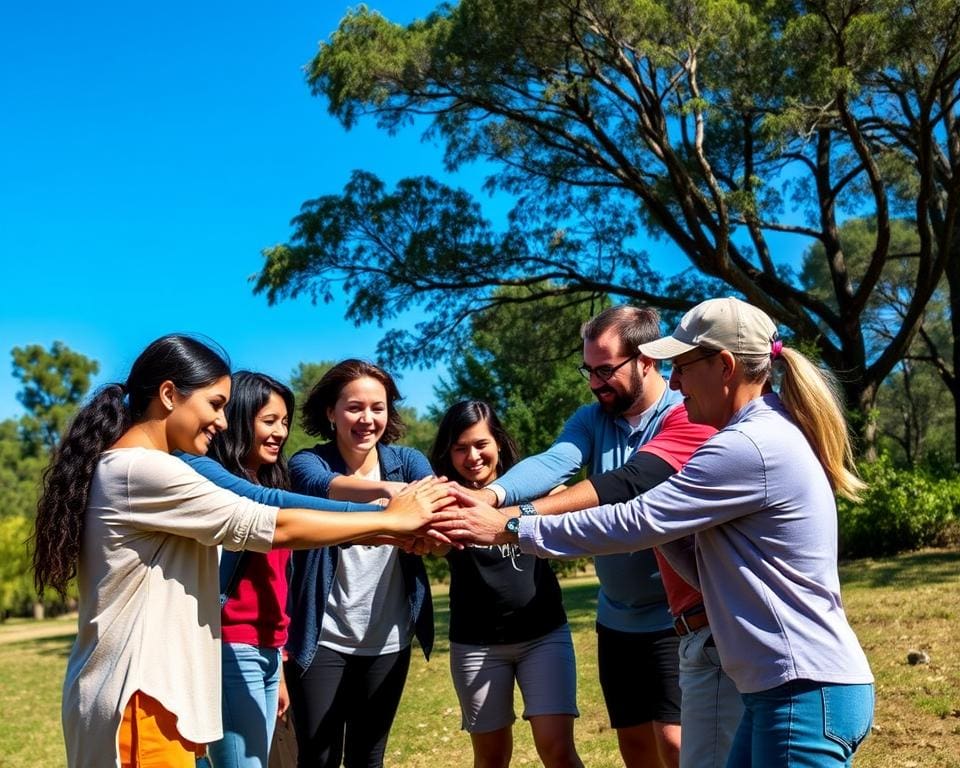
899	604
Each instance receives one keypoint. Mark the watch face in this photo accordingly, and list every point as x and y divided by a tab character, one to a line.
513	525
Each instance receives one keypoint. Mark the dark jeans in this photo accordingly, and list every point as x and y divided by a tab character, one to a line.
343	706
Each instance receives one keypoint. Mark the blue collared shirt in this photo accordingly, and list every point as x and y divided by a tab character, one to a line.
631	597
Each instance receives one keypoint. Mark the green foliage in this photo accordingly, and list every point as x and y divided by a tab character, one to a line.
302	379
16	571
20	471
438	570
522	359
901	510
914	410
697	122
53	382
915	416
419	433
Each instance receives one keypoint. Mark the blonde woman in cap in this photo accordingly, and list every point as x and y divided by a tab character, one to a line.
751	521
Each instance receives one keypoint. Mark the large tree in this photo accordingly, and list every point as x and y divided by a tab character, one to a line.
522	359
53	382
915	410
712	123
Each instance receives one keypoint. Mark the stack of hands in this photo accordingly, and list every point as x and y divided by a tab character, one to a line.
451	515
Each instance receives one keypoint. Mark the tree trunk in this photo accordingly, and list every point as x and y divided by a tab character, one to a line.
861	401
952	272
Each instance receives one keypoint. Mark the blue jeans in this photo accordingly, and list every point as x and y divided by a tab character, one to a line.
251	686
802	724
710	705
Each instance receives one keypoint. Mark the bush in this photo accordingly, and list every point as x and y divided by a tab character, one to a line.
902	509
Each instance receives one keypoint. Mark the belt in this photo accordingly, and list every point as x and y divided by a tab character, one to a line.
690	621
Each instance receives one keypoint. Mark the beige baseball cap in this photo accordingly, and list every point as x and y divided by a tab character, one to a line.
728	324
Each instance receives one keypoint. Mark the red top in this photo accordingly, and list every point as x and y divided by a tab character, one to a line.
255	614
675	443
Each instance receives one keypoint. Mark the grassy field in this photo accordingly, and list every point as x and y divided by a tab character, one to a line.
910	602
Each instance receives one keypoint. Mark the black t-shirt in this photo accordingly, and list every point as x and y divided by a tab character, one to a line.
499	595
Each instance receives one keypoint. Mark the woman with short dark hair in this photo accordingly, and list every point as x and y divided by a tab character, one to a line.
353	610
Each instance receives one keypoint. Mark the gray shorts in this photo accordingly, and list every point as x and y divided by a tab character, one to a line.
483	675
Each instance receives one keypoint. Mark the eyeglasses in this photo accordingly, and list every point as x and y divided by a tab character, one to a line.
681	369
604	372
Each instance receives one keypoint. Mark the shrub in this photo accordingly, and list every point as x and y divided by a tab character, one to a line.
902	509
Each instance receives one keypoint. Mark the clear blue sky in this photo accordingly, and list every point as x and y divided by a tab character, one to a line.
148	152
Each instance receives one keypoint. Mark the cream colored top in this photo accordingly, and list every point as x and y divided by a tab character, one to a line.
149	589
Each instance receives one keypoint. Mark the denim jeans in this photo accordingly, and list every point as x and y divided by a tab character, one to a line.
251	684
802	724
710	708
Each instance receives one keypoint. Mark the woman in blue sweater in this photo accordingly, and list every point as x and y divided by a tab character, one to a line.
353	610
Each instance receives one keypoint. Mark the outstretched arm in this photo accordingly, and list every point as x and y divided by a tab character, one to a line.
407	513
640	474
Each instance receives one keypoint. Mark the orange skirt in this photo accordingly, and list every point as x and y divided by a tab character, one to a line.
149	737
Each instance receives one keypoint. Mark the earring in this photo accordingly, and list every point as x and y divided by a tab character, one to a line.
333	425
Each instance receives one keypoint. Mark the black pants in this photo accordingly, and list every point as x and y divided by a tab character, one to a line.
343	707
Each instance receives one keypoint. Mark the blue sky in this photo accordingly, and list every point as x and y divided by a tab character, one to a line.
148	152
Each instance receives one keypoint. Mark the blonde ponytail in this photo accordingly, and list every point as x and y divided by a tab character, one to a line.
811	397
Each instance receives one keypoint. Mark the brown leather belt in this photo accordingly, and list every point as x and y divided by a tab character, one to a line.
690	621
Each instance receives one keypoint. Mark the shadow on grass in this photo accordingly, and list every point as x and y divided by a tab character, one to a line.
53	645
903	571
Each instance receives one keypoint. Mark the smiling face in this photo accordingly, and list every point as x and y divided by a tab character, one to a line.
622	393
699	377
360	415
197	417
271	425
475	454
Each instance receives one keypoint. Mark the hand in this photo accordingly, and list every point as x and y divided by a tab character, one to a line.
283	700
413	507
480	494
390	489
472	521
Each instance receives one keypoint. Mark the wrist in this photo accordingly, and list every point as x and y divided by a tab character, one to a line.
526	509
511	531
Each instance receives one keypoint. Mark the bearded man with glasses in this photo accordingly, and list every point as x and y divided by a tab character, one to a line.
639	634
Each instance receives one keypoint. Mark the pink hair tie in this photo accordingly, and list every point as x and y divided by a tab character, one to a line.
776	347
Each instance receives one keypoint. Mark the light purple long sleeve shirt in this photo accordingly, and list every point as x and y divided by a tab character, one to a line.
764	521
